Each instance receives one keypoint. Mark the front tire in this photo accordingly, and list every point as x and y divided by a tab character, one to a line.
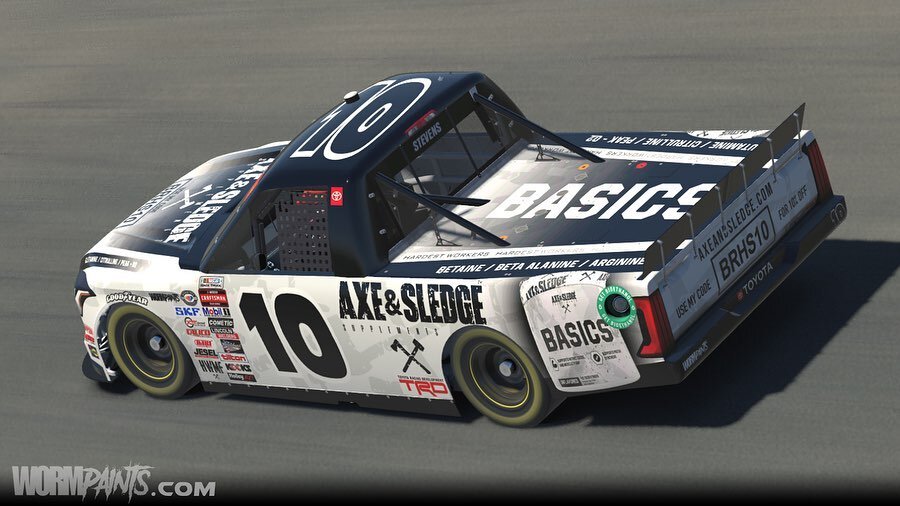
149	353
500	379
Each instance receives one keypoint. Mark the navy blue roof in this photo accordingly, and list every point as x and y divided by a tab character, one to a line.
353	137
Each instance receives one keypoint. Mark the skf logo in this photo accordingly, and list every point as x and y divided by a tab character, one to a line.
421	387
337	196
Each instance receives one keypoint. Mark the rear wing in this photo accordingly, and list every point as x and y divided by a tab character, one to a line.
715	201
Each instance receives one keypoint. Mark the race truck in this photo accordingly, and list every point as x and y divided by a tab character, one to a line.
424	241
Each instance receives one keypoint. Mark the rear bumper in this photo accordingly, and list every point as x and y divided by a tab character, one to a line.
736	304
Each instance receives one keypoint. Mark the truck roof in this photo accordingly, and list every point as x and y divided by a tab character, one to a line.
353	137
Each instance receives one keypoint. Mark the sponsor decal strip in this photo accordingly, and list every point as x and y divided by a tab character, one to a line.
477	254
655	156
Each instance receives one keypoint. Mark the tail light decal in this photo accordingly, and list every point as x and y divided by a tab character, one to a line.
655	326
823	184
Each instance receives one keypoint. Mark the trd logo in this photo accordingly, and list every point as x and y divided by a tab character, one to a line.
187	311
432	388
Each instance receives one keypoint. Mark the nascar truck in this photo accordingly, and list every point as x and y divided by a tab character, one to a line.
424	242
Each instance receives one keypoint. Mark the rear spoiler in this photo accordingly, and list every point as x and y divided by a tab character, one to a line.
733	184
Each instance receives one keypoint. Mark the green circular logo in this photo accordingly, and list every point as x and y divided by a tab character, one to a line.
616	321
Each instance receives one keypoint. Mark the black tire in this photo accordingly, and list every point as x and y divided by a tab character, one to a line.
149	353
516	394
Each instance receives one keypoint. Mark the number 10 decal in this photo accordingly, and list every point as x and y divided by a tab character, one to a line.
292	310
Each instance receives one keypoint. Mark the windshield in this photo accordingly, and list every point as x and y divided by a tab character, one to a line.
442	152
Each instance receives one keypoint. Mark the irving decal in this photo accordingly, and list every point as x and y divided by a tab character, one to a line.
416	302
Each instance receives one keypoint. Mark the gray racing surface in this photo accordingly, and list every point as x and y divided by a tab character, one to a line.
102	104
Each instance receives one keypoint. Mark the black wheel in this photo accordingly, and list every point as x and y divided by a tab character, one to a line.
148	353
499	378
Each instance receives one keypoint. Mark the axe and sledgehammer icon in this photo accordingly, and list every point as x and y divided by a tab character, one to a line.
411	357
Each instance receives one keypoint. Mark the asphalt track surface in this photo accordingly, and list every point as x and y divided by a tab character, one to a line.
102	104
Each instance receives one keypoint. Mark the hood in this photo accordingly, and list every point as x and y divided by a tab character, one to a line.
182	218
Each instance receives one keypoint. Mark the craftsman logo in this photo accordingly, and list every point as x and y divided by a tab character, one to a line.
126	297
213	297
337	196
423	387
575	335
576	202
410	356
432	303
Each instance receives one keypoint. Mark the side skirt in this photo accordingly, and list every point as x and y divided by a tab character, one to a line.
372	401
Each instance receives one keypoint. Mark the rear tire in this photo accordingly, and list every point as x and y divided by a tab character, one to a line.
500	379
148	352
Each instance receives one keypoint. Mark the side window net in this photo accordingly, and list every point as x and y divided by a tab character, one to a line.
302	223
